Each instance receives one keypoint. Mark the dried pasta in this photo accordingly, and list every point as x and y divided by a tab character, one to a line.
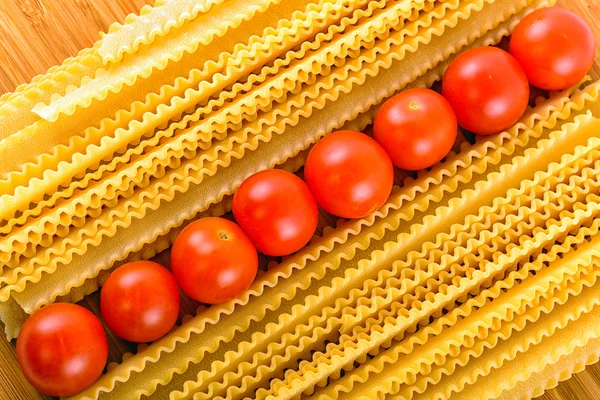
485	263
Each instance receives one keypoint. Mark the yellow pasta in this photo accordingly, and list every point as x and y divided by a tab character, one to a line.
142	29
322	325
102	134
382	80
470	282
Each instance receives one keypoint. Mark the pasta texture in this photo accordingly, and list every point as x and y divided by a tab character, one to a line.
478	279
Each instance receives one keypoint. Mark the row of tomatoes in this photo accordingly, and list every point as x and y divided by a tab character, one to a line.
62	348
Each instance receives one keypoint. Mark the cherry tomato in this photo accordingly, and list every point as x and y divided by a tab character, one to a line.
487	89
62	349
140	301
555	47
417	128
213	260
277	211
350	174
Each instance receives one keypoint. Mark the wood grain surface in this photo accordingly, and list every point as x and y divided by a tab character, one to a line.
37	34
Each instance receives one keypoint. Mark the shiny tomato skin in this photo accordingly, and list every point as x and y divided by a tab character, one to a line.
487	89
555	47
62	349
277	211
417	128
350	174
140	301
213	260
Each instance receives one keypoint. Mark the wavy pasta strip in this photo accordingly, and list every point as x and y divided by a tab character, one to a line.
553	373
380	75
376	335
142	29
201	31
505	332
577	284
15	107
502	331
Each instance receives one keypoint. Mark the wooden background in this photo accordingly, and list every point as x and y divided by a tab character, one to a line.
37	34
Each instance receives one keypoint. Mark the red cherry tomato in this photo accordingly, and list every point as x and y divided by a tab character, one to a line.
417	128
555	47
277	211
140	301
487	89
213	260
62	349
350	174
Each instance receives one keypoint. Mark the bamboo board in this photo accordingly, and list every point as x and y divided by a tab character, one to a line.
37	34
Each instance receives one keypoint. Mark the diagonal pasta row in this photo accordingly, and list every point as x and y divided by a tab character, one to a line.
132	168
332	320
442	266
170	48
97	174
350	348
245	371
559	332
514	214
13	259
407	345
561	368
72	70
141	30
77	268
41	87
485	319
15	107
149	366
279	395
575	273
136	107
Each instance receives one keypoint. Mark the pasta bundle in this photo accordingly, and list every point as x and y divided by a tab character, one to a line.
139	142
486	260
476	280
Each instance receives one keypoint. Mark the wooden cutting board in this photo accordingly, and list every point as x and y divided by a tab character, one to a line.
37	34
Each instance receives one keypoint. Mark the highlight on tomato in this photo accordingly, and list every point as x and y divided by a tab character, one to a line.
62	349
488	90
140	301
213	260
350	174
417	128
277	211
555	47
